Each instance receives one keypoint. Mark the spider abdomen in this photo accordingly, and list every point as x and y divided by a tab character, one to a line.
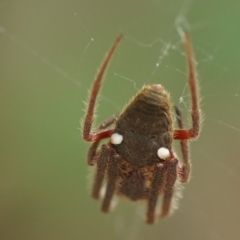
146	125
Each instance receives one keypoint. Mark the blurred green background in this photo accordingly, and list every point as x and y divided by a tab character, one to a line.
49	55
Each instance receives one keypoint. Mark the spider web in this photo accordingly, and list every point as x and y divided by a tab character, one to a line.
50	52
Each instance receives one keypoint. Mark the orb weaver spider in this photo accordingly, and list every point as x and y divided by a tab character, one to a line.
139	162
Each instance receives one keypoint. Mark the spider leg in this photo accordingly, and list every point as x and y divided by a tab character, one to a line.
102	163
193	85
184	171
157	186
88	120
171	178
91	156
112	179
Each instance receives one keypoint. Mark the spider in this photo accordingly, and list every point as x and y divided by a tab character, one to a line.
139	162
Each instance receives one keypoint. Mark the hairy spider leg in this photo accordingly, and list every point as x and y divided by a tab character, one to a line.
108	161
88	120
171	178
102	163
91	156
113	170
193	85
184	170
157	187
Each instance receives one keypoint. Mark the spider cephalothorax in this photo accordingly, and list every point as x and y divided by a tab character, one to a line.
139	162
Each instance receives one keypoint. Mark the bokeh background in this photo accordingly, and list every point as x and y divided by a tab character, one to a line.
49	55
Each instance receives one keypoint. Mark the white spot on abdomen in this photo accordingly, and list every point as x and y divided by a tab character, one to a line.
163	153
116	138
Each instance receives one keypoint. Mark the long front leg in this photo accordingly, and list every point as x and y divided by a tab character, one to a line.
88	120
183	171
193	85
